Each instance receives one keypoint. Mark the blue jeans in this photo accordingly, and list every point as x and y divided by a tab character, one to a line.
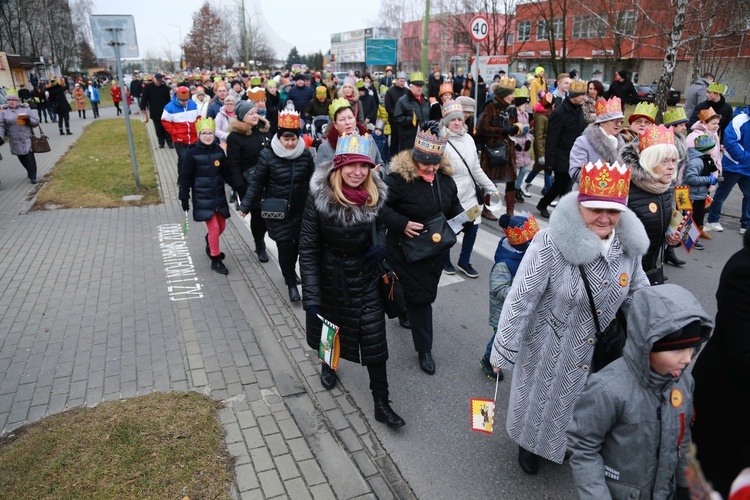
470	237
722	192
548	179
488	351
521	175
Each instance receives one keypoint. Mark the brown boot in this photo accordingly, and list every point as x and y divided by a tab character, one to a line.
704	235
485	211
510	202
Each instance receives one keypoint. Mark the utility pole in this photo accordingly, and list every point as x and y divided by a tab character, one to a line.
425	35
244	38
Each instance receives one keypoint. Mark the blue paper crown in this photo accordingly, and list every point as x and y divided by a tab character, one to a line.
353	144
704	142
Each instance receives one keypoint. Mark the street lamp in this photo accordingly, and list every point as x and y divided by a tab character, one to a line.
179	30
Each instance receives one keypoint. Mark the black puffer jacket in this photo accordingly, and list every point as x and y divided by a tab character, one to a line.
288	179
565	124
203	172
654	210
412	199
336	277
244	145
407	108
272	113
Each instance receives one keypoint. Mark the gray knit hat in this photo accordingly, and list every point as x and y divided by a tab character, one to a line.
242	108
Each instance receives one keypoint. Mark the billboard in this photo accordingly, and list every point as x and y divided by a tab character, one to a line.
489	66
103	31
380	51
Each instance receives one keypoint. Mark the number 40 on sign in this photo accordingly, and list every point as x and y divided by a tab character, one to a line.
479	28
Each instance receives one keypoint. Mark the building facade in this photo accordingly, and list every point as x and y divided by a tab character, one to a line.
348	48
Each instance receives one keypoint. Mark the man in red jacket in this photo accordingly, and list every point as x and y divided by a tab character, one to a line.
178	119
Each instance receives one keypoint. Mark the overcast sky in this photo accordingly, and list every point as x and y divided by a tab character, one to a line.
306	24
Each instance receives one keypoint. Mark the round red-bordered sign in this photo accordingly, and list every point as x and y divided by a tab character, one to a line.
479	28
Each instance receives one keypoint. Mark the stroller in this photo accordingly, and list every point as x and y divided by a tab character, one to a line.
319	128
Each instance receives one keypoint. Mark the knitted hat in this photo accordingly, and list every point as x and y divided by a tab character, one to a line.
299	76
352	149
503	92
623	74
451	111
467	103
519	229
242	108
538	70
183	93
604	186
321	91
690	335
429	146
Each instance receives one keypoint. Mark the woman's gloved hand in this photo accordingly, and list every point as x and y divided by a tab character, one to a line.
375	254
313	311
185	205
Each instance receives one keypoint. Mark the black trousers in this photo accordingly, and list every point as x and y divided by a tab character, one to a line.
699	211
288	253
161	134
42	110
63	117
95	109
378	380
420	318
394	138
258	229
29	163
181	149
560	186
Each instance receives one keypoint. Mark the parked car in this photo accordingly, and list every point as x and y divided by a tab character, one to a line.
645	94
674	95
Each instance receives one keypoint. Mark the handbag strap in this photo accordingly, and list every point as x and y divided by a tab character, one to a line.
591	302
462	159
41	132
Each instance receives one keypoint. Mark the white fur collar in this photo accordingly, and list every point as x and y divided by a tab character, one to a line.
350	215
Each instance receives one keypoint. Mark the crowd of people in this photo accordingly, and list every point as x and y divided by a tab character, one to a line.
350	177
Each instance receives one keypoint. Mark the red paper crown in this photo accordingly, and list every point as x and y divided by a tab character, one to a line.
655	135
289	120
613	105
604	183
520	235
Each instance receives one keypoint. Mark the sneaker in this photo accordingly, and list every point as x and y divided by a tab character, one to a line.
713	226
449	269
488	370
468	270
525	189
33	180
698	245
553	203
742	230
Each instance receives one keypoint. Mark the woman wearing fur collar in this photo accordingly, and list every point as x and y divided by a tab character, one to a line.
419	187
600	141
546	329
339	259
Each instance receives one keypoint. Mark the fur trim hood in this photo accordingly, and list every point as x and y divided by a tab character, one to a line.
598	140
579	245
245	128
403	165
326	205
629	154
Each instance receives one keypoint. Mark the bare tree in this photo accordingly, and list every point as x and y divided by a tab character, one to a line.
204	46
551	16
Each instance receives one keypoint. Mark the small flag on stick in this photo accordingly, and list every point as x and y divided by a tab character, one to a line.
185	225
483	413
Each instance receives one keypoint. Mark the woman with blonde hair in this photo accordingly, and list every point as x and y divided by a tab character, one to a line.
349	92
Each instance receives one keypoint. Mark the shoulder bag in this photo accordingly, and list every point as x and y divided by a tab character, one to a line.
277	208
391	290
611	341
497	154
39	144
435	237
479	192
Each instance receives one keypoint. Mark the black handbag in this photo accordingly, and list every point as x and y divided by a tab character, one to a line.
609	342
435	237
497	154
390	287
39	144
479	192
277	208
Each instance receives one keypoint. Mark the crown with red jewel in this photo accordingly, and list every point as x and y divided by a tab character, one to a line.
608	110
523	234
655	135
289	120
604	186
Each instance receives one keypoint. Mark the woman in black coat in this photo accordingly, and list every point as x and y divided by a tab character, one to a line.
272	108
650	198
283	172
245	142
419	186
203	173
60	106
722	379
341	244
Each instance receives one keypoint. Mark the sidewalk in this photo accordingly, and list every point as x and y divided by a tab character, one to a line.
103	304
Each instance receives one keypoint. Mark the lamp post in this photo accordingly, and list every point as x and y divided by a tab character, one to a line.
245	41
179	31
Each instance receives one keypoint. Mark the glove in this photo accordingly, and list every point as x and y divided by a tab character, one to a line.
712	179
682	493
512	130
467	227
540	160
527	146
519	147
313	311
375	255
185	205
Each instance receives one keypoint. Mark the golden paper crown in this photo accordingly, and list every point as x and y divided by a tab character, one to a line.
717	87
655	135
428	148
521	93
523	234
336	104
604	185
256	94
646	109
202	124
674	116
578	87
508	83
705	114
289	120
446	88
613	105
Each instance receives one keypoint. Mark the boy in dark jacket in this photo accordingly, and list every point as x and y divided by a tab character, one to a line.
630	432
203	172
701	172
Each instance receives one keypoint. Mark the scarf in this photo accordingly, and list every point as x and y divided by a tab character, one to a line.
285	154
356	196
651	185
426	177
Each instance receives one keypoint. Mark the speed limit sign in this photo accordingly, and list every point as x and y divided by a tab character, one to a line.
479	28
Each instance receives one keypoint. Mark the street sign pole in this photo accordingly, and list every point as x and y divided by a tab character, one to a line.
479	29
116	45
476	91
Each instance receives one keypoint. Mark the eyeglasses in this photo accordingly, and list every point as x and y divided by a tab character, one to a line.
206	132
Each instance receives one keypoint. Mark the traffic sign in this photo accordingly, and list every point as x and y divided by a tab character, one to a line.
479	28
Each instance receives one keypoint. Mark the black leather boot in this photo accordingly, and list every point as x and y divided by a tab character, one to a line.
294	294
208	248
262	254
528	461
328	377
426	363
671	258
217	264
385	414
404	322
